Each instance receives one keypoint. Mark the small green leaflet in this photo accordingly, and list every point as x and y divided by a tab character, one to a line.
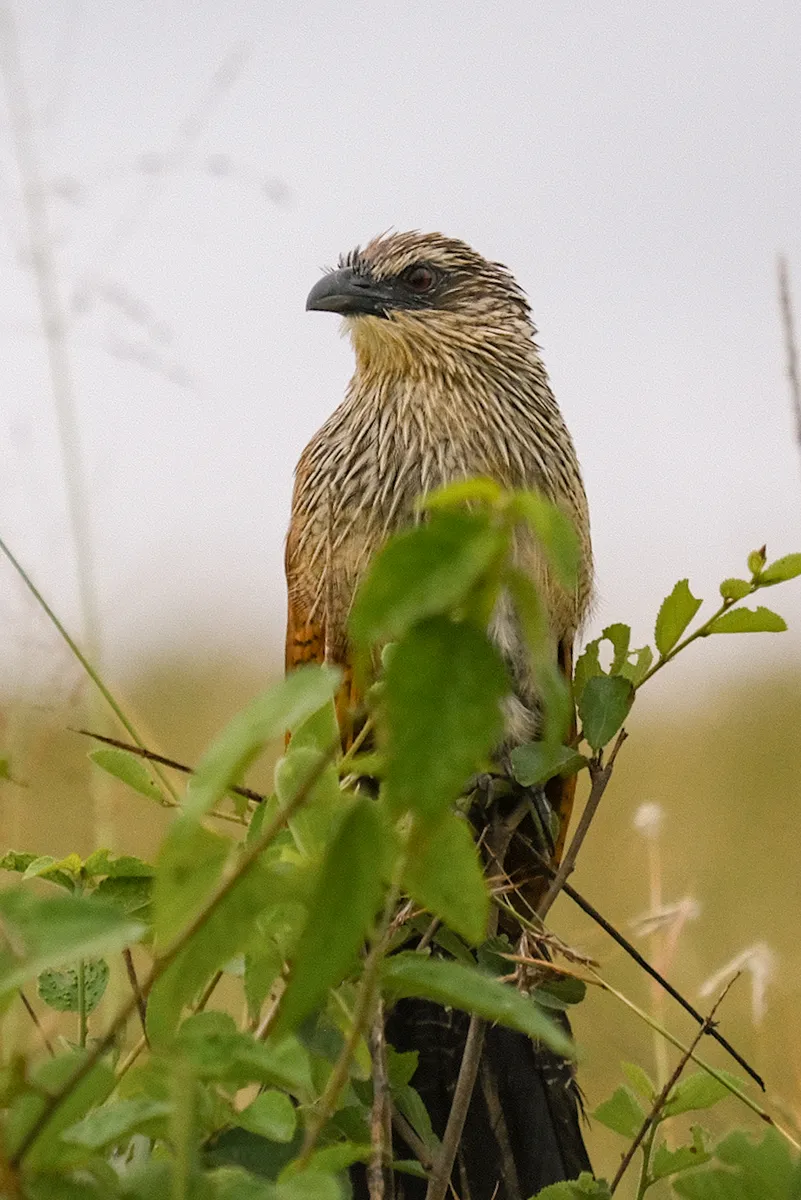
787	567
444	874
621	1112
60	989
675	614
129	769
451	983
423	572
749	620
537	762
603	707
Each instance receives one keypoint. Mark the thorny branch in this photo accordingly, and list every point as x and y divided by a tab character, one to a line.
659	1102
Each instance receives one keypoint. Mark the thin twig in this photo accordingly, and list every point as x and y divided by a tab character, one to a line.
141	1005
378	1178
600	775
32	1014
463	1094
660	1100
151	756
246	861
790	343
206	994
131	1057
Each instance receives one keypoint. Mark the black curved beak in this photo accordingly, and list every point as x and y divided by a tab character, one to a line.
347	293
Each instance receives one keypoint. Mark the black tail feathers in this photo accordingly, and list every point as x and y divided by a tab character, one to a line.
523	1127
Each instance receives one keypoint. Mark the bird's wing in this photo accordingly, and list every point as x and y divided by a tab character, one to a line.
308	641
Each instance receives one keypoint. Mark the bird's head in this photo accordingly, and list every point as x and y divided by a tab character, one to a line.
421	301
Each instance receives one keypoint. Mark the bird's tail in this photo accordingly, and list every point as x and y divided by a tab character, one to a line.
523	1126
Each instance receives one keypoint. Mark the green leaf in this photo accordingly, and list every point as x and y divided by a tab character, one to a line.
622	1112
677	610
603	707
587	667
640	1081
531	614
401	1065
443	704
751	1170
47	931
312	826
560	991
666	1162
451	983
49	1078
583	1188
410	1104
309	1185
637	665
756	560
698	1091
60	990
749	620
227	931
425	571
537	762
188	868
444	874
17	861
620	637
346	896
555	532
123	866
335	1158
217	1050
133	894
240	1149
734	589
129	769
787	567
272	1114
115	1122
465	491
265	719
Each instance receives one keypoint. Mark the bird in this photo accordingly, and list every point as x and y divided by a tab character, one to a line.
449	384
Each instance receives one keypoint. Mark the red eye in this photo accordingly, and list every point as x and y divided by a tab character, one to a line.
420	279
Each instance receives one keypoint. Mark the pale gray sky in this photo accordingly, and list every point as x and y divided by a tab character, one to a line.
636	165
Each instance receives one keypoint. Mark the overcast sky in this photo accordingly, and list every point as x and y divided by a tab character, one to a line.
637	166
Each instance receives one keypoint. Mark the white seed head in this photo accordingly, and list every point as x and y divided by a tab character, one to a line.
648	819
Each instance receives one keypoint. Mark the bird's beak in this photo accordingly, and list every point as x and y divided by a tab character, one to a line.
345	292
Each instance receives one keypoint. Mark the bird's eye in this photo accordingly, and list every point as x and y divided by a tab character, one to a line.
420	279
